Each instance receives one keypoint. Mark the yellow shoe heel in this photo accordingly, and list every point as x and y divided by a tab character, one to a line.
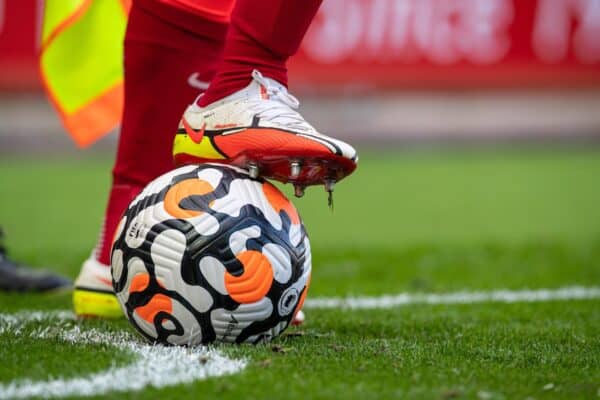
94	303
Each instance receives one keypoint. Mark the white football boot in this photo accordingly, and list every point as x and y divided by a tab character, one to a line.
93	294
259	129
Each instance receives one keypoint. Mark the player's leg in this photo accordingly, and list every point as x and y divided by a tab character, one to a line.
170	53
248	118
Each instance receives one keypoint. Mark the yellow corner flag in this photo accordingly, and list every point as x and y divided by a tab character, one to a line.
81	64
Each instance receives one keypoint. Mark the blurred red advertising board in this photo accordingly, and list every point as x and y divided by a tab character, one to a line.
401	43
452	43
18	44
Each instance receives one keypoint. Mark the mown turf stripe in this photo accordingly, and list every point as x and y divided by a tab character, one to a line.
496	296
155	366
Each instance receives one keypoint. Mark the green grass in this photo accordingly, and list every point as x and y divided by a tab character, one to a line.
406	222
41	358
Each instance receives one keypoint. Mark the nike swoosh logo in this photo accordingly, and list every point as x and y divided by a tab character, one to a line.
196	83
196	136
104	280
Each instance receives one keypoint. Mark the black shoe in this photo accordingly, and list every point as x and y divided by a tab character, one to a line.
17	277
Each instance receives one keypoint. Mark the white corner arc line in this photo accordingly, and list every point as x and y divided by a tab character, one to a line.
160	366
153	366
466	297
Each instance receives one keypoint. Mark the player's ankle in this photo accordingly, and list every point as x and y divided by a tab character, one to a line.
241	56
220	88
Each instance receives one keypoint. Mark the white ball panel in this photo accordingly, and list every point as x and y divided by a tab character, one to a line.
295	234
238	239
167	249
214	272
280	262
116	259
229	324
308	253
199	297
192	334
243	192
211	175
205	224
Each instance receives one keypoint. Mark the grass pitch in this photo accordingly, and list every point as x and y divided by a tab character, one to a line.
431	222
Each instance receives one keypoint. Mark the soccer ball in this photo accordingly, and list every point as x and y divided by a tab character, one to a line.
207	254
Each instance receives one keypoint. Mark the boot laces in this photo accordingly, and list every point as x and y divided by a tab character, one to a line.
279	106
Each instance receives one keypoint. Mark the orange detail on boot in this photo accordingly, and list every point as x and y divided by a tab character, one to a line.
256	280
267	141
196	136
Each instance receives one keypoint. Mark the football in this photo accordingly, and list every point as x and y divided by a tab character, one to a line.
205	253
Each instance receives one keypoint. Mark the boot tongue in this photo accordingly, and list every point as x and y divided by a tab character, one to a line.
260	85
254	90
258	88
272	83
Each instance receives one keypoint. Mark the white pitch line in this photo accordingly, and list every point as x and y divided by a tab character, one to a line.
159	366
496	296
153	366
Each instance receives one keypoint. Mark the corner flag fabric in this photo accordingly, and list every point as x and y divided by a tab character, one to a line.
81	64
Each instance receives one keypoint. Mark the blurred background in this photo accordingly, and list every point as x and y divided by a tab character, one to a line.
412	71
462	109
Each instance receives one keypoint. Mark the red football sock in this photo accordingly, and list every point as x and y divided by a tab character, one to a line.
262	35
166	51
